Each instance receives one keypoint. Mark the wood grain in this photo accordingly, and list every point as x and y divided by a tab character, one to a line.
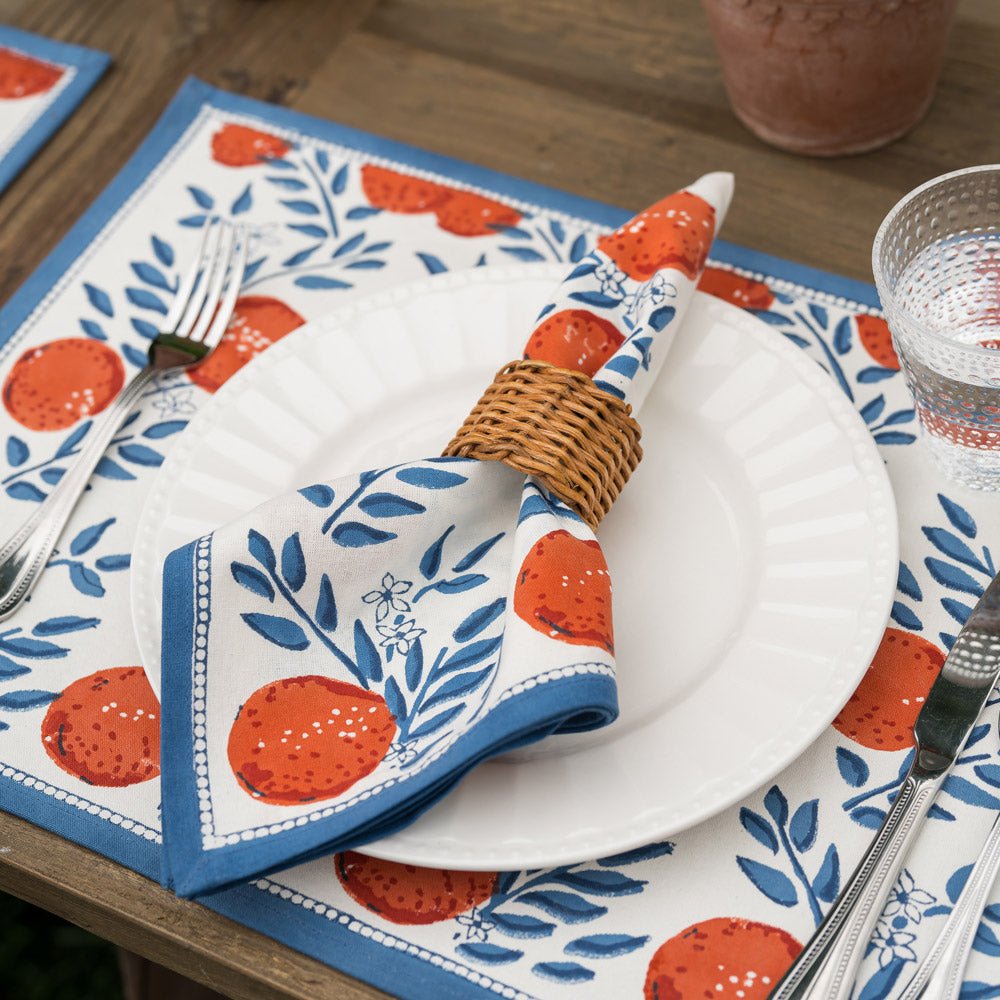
616	101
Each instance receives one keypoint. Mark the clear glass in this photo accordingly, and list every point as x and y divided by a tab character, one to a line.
936	261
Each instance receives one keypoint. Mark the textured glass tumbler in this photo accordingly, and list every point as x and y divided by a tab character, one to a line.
936	260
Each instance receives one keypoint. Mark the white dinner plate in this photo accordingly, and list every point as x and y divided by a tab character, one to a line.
753	552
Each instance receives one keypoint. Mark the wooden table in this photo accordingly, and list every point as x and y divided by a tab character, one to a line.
618	100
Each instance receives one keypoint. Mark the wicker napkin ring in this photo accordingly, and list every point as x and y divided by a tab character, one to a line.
559	426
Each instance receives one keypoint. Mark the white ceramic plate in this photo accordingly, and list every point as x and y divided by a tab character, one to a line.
753	552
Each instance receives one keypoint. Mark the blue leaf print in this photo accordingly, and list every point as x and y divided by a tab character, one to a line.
902	615
193	221
956	883
321	495
978	991
144	329
827	882
243	202
474	653
348	245
151	275
309	229
601	882
301	257
24	491
414	664
842	336
362	212
339	180
260	548
17	451
434	724
377	247
322	160
986	942
22	701
648	852
567	906
475	554
63	624
777	805
959	517
990	773
478	620
623	365
73	439
563	972
759	828
772	318
520	925
512	231
875	374
483	951
796	340
251	578
594	299
163	250
394	698
953	546
881	983
9	669
320	281
140	454
457	686
85	580
772	883
282	632
965	791
430	563
605	945
894	437
164	429
526	254
92	329
959	611
899	417
293	563
367	657
953	577
145	299
365	265
578	249
907	583
111	564
301	207
430	478
354	535
326	606
288	183
134	357
804	825
460	584
31	649
432	263
819	314
52	475
660	318
99	299
868	817
853	768
202	198
389	505
870	411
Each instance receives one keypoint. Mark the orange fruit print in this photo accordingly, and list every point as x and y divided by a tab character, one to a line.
23	76
574	339
676	233
302	739
240	146
563	590
406	894
873	332
463	213
881	712
732	287
724	957
52	386
257	322
105	728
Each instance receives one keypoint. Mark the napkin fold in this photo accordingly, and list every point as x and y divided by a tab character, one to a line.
336	660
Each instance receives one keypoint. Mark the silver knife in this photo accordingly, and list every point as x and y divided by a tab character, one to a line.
826	967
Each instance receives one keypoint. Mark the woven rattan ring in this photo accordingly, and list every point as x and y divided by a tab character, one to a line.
559	426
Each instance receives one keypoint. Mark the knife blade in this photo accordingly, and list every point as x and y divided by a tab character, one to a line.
827	965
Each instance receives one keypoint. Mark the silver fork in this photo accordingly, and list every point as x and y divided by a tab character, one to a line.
192	329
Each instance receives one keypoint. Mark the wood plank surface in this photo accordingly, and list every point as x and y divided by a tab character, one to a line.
616	101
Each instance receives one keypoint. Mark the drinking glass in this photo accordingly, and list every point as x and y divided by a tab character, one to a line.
936	261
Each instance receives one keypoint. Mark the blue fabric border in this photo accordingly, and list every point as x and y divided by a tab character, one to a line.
326	940
90	66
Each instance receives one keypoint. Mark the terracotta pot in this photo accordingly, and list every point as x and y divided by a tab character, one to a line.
829	77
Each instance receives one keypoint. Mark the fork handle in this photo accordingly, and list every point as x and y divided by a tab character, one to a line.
826	968
24	555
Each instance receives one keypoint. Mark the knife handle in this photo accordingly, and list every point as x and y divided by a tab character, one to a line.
826	967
